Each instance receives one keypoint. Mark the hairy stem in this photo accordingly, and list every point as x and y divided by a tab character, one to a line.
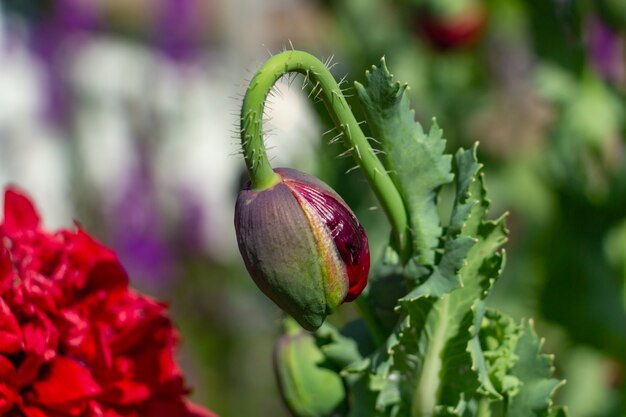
261	174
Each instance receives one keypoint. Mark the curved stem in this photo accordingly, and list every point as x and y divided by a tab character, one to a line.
261	174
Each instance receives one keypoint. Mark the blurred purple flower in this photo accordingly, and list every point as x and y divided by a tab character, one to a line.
192	217
53	38
135	230
178	28
604	48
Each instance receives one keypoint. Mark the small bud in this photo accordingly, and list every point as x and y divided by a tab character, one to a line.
302	245
307	385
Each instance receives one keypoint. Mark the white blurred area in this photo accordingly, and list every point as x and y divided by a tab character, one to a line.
129	99
32	156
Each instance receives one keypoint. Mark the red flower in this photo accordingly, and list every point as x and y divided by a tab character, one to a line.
75	340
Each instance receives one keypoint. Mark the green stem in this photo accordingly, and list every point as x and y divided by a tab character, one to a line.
261	174
484	408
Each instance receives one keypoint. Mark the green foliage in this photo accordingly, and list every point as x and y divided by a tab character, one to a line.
309	385
448	354
533	371
416	154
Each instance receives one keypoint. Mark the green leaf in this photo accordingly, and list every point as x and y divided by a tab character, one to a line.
363	399
534	371
498	338
517	368
341	351
415	160
435	361
310	387
448	355
558	412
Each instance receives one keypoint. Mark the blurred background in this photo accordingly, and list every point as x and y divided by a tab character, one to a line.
120	114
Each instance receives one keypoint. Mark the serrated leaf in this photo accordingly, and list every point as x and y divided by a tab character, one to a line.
498	338
449	355
534	370
444	277
415	160
470	197
341	351
437	360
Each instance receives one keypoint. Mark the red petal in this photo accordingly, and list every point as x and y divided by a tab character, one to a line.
10	333
7	399
125	393
29	369
7	371
6	270
95	409
344	228
41	337
99	265
165	407
107	275
64	382
156	366
33	412
19	212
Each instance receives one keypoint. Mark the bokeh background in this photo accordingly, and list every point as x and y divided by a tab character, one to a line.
120	115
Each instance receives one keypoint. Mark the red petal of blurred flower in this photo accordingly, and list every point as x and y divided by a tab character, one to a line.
19	212
64	382
166	407
7	399
40	337
100	265
157	367
125	393
7	371
10	333
75	340
106	275
33	412
6	270
28	370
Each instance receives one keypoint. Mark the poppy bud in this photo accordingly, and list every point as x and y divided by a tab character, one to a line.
302	245
308	385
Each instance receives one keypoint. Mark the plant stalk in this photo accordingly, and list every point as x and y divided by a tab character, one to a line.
261	174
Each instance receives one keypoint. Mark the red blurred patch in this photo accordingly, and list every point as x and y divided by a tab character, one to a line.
75	340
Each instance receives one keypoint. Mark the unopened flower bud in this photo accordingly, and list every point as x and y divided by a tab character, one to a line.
308	386
302	245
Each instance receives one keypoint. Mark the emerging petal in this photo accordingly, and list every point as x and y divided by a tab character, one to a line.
347	234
